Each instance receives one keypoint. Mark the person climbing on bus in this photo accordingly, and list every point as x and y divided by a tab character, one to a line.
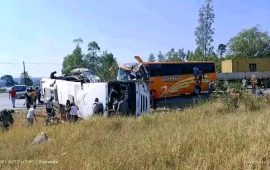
200	77
196	72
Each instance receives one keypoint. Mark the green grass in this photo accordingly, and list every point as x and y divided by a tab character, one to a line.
205	137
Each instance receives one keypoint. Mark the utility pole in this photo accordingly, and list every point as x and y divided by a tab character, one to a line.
24	73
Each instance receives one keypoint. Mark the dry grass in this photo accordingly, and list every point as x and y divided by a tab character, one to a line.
204	137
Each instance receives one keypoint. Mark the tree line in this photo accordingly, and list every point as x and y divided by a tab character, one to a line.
103	63
249	43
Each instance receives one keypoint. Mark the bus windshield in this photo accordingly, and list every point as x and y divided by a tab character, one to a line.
132	72
122	74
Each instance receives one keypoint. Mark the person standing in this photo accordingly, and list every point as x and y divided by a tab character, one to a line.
38	92
34	97
74	112
31	115
253	83
98	108
122	107
67	110
12	95
49	107
154	99
28	99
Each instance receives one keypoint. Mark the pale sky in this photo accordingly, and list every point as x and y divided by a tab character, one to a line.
42	31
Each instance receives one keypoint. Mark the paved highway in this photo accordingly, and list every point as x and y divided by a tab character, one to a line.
5	102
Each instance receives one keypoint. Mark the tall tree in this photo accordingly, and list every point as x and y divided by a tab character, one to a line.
151	58
72	61
250	43
196	55
205	31
160	57
108	68
182	55
91	59
221	49
172	56
26	79
189	55
78	41
93	47
9	81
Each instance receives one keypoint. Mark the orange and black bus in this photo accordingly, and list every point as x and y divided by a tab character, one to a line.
169	79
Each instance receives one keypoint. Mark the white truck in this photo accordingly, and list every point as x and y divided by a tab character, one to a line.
109	93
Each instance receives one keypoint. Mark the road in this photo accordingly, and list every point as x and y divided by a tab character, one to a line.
5	102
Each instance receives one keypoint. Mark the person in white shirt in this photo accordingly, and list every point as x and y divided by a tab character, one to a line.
31	115
73	112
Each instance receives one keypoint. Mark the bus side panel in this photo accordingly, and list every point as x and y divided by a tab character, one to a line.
169	86
48	87
142	98
85	97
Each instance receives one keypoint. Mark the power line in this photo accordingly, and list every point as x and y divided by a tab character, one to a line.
7	63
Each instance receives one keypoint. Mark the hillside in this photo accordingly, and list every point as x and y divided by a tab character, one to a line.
208	136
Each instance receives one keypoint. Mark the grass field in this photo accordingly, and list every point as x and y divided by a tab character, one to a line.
208	136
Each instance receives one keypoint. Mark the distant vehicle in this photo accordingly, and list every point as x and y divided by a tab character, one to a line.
20	91
169	79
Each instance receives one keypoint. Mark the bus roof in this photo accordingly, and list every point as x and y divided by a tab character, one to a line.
178	62
149	63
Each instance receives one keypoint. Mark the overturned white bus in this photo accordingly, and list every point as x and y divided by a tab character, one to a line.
109	93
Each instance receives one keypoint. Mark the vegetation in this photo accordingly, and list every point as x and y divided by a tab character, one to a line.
204	32
205	137
9	81
250	43
26	79
103	64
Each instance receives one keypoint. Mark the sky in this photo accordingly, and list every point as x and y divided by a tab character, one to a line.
41	32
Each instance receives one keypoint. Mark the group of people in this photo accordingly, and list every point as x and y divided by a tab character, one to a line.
71	111
32	96
118	100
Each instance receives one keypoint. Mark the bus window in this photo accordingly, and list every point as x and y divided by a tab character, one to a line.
155	70
206	67
172	69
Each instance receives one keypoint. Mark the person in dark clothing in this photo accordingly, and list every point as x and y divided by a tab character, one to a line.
200	77
49	107
6	118
154	99
67	109
28	99
196	72
38	92
98	108
122	107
